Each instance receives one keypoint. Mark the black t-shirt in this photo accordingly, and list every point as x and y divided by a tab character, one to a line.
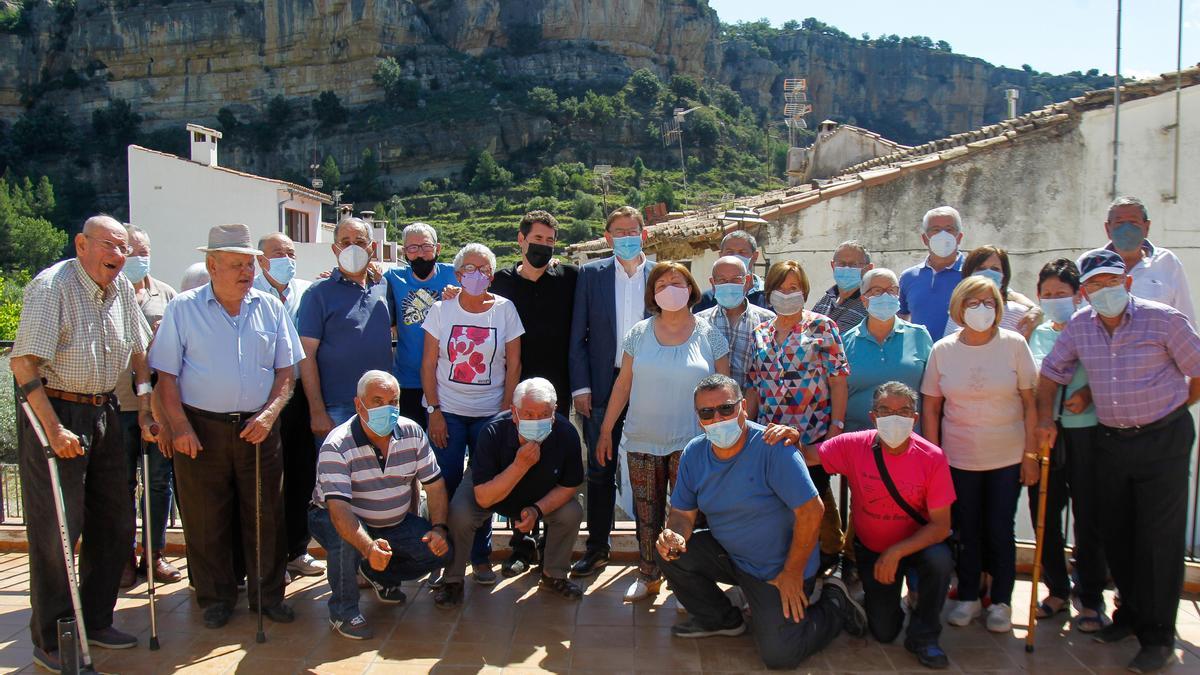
561	462
545	308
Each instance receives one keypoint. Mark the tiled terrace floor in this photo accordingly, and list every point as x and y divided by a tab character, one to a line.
511	627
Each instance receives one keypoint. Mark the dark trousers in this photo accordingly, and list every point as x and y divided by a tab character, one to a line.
216	488
984	515
1075	481
159	483
1144	480
933	567
98	508
412	408
299	471
781	643
601	480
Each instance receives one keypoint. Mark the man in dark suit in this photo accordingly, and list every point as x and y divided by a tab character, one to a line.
609	299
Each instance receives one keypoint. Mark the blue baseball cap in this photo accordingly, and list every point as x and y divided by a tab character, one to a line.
1100	261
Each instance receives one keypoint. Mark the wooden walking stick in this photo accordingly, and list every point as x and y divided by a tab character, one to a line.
1040	542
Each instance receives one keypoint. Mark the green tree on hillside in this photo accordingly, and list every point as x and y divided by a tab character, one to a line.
399	88
28	241
330	174
488	174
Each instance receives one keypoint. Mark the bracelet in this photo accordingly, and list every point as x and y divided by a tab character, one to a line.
144	388
535	507
1032	455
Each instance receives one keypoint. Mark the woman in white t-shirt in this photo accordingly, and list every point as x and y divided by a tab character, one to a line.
471	364
979	407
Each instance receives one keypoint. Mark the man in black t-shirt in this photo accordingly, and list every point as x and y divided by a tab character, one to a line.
527	465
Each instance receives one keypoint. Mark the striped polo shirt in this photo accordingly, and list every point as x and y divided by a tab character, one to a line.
378	487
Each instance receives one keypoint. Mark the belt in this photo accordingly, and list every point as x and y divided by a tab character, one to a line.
86	399
1130	432
236	418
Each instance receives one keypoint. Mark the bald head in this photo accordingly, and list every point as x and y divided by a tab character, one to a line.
273	238
101	247
728	265
101	225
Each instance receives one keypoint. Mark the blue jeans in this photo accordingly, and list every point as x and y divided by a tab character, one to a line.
411	558
462	432
984	515
159	482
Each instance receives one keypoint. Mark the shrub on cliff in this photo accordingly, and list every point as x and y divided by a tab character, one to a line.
399	89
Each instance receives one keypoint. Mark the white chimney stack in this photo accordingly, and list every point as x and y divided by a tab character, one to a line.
1011	96
204	144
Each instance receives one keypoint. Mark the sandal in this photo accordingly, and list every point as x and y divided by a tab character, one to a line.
1045	610
564	587
1090	624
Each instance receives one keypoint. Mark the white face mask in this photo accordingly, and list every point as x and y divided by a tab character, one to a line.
980	318
787	304
353	259
943	244
894	429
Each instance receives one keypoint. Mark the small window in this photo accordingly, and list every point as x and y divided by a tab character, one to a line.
198	137
296	225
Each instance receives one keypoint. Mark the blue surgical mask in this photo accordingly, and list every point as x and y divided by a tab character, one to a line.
1058	310
627	248
729	295
725	433
137	267
1127	236
535	430
847	278
382	420
746	262
991	275
883	307
282	269
1110	301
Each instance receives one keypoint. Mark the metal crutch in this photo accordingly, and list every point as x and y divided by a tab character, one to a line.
1040	542
260	637
146	520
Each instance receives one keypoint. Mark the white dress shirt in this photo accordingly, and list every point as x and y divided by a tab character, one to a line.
630	298
1160	277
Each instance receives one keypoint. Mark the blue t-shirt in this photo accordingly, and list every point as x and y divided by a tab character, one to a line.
749	499
355	330
925	295
410	299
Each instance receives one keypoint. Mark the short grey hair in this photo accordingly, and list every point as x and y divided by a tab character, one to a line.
132	229
941	211
419	228
873	274
195	276
352	220
474	249
857	246
373	376
1129	200
744	236
535	390
718	381
729	260
894	388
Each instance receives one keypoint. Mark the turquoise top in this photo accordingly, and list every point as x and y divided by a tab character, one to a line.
901	358
1040	343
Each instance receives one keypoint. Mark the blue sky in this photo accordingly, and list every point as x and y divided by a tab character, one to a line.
1051	35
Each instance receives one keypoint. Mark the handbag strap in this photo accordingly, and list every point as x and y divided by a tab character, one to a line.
891	487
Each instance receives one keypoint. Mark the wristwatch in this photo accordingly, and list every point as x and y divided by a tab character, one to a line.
841	425
430	408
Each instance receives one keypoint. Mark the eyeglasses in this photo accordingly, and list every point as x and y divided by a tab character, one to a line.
876	292
414	249
972	304
1093	285
888	412
361	243
467	269
724	410
111	246
625	233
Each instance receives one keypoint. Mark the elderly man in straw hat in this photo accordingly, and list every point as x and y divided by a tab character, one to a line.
224	355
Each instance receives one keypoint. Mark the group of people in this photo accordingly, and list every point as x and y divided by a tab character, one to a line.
934	393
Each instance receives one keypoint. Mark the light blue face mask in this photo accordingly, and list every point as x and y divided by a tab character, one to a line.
883	307
1058	310
535	430
282	269
382	420
627	248
1127	236
137	267
746	262
725	433
729	295
847	278
991	275
1110	301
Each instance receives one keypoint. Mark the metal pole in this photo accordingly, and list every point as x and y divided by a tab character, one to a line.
1117	106
146	525
682	164
261	636
1178	96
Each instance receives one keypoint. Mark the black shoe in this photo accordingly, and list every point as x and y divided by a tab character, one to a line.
590	563
693	629
929	655
1113	632
217	615
111	638
280	613
854	617
1152	659
391	595
449	596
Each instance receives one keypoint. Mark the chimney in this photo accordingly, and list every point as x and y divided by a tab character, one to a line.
204	144
1011	96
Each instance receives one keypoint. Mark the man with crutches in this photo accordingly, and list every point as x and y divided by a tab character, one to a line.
224	354
80	327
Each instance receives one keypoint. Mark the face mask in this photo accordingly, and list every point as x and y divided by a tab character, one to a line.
475	283
991	275
136	268
943	244
847	278
1111	301
535	430
383	419
627	248
672	298
1127	236
746	262
725	433
282	269
883	307
787	304
1058	310
421	267
353	259
980	318
729	295
894	429
539	255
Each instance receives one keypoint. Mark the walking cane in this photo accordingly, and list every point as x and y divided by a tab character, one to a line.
261	637
60	511
146	520
1040	542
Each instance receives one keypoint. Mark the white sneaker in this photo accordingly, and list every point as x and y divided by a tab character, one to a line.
964	613
641	589
306	566
999	618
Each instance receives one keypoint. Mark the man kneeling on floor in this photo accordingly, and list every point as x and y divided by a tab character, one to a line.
527	466
360	510
764	516
900	497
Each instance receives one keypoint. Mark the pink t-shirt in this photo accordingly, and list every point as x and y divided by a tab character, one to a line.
921	475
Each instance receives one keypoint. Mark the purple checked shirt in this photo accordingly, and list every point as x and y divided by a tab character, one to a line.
1138	373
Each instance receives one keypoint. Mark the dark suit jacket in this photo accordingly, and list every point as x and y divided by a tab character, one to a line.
594	341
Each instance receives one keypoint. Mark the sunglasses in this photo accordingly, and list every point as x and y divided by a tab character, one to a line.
724	410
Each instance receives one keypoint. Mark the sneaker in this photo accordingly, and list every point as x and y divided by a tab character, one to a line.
391	595
514	566
964	612
929	655
217	615
355	629
111	638
693	629
854	617
449	596
306	566
590	563
1152	659
47	660
483	574
999	618
642	588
